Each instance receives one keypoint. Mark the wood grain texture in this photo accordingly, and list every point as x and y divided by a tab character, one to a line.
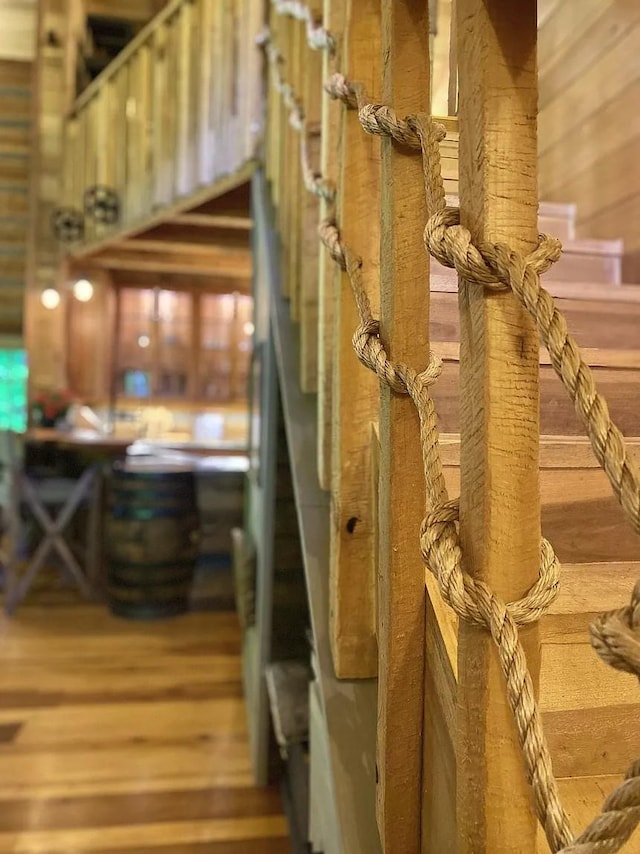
578	693
352	613
404	328
499	507
125	736
589	129
15	110
328	273
311	63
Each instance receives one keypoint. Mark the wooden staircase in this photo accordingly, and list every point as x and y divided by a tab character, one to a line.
589	712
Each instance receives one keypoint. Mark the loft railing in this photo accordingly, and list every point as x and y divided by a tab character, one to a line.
176	113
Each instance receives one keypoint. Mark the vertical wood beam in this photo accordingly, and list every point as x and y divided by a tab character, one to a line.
332	111
352	582
499	507
404	296
311	92
295	62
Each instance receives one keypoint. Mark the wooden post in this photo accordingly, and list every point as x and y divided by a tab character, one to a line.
404	298
499	507
311	93
352	581
294	186
332	111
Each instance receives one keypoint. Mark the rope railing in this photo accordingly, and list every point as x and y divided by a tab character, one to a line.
317	37
313	180
615	635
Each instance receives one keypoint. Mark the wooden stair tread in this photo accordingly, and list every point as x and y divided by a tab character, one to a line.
582	798
444	280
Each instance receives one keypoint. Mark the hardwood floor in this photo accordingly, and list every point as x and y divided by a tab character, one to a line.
118	737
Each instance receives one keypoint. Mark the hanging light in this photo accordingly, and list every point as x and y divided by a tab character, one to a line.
50	298
83	290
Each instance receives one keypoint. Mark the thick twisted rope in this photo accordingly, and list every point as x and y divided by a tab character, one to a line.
470	598
317	37
615	636
313	180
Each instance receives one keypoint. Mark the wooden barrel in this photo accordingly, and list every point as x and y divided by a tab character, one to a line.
152	534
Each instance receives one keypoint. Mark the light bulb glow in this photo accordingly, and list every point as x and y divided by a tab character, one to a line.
50	298
248	328
83	290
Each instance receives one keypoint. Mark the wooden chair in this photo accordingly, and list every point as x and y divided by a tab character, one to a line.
52	502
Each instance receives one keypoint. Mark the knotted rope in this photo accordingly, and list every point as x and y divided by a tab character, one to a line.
313	180
615	636
317	37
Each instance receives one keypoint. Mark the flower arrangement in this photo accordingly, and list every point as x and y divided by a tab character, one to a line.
49	406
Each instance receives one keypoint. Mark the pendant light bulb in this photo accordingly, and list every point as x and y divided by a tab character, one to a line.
83	290
50	298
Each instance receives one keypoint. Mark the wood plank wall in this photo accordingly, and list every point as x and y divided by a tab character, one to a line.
17	47
15	120
589	124
43	328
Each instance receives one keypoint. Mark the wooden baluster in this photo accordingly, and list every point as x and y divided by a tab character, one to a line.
207	84
70	162
294	172
226	86
452	96
404	285
285	147
352	582
197	82
251	97
311	92
109	137
92	228
217	91
499	505
171	108
133	139
120	97
183	166
275	106
332	115
160	96
143	117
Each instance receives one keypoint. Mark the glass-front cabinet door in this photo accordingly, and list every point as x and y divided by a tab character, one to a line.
183	345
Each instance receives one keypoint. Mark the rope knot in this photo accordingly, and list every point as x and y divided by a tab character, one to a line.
471	599
492	265
330	236
615	636
339	88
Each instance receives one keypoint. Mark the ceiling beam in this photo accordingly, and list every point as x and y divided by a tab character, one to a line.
192	238
158	259
213	220
169	281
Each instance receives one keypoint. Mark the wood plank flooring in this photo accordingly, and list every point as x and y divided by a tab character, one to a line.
127	737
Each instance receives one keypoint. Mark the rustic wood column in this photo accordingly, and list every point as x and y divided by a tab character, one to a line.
500	514
355	389
404	305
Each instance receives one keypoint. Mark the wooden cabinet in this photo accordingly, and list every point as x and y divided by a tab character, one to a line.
160	345
183	345
225	333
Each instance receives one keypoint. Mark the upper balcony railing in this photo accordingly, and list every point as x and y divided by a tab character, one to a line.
178	112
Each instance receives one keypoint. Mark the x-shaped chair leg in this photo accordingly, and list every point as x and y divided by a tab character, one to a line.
53	529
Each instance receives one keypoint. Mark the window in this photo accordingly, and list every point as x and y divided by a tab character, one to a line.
183	345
